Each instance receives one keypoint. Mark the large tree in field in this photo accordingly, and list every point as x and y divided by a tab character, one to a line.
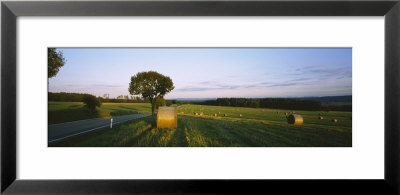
55	60
151	85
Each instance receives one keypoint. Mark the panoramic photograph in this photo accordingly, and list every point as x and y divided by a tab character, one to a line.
199	97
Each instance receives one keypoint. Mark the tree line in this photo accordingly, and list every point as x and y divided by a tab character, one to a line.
274	103
92	101
79	97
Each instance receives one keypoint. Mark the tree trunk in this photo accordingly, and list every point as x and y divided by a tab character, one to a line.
152	106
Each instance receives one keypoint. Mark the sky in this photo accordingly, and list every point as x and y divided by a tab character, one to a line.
210	72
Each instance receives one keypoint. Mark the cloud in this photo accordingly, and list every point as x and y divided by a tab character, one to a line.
105	86
207	83
219	86
186	89
215	87
323	70
301	79
282	84
310	75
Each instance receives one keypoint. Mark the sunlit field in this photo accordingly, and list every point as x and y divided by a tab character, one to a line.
231	127
60	112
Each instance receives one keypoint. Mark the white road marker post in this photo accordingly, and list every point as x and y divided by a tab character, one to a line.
111	122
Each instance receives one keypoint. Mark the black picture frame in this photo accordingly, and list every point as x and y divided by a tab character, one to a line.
10	10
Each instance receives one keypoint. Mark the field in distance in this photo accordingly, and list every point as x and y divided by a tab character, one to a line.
232	127
60	112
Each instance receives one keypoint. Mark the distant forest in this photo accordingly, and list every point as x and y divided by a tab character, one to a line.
312	104
77	97
276	103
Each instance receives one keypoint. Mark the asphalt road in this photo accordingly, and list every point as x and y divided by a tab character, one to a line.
61	131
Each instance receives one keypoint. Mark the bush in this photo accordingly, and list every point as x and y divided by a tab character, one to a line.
91	102
159	101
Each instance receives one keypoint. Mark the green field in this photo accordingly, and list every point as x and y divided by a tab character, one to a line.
257	127
60	112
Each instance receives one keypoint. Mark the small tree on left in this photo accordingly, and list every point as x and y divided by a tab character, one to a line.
91	102
55	60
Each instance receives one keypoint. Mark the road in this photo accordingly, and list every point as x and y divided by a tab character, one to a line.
61	131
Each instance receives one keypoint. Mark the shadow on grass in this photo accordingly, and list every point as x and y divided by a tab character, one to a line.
178	139
66	115
123	112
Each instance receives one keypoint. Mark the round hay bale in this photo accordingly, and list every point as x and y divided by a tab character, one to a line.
219	112
167	117
334	120
295	119
240	115
225	114
215	114
201	113
321	118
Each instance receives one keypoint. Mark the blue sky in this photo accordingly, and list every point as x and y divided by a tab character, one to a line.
210	72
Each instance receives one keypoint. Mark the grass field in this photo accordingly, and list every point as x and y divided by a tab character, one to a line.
256	127
60	112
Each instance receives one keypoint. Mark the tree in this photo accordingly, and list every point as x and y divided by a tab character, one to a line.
91	102
55	60
150	85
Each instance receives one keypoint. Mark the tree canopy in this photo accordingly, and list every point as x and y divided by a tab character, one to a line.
55	61
150	85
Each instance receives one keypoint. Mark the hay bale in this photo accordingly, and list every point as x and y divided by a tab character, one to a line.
334	120
295	119
321	118
219	112
167	117
201	113
240	115
225	114
215	114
